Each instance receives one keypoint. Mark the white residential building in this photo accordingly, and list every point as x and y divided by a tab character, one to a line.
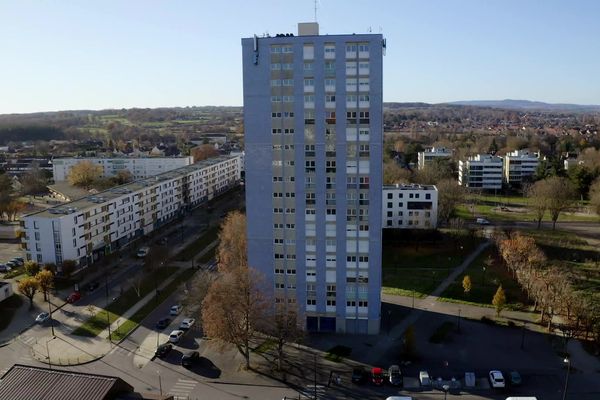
410	206
6	290
86	229
140	167
433	153
482	171
519	164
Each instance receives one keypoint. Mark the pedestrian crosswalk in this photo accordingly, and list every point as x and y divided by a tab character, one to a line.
182	389
28	340
122	351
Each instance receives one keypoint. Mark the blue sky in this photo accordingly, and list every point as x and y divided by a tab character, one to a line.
58	55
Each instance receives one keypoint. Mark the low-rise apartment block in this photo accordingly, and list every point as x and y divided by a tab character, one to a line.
410	206
431	154
519	165
140	167
86	229
483	171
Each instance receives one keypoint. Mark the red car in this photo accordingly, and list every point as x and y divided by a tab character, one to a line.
73	297
377	376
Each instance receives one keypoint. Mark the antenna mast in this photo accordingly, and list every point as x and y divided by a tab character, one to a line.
316	10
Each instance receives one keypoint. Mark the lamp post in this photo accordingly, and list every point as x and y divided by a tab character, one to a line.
445	388
51	320
568	362
458	320
107	312
483	276
315	377
48	352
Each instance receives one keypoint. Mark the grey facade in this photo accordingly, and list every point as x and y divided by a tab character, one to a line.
313	119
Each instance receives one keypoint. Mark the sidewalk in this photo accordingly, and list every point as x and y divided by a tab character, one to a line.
67	349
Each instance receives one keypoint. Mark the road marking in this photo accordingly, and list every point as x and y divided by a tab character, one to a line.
182	388
28	340
121	351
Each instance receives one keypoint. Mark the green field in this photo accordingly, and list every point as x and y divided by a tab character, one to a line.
511	208
418	268
484	284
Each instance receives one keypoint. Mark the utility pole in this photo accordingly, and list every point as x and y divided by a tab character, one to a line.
51	319
315	360
459	319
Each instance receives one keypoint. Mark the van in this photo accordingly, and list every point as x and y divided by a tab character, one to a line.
424	378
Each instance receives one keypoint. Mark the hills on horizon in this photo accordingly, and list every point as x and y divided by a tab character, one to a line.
506	104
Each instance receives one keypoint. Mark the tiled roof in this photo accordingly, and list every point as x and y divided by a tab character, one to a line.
23	382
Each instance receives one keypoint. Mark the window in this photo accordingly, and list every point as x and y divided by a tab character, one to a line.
428	196
309	82
311	302
330	83
390	204
330	98
331	302
389	196
329	51
276	82
37	235
275	67
308	66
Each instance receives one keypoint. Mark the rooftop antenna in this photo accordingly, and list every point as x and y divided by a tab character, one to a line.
316	10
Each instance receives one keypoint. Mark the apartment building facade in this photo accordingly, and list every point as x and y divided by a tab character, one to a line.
410	206
483	171
139	167
88	228
519	165
313	133
431	154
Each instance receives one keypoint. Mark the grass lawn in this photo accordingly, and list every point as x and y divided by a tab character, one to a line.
488	206
581	258
126	327
8	308
99	321
421	267
484	285
199	244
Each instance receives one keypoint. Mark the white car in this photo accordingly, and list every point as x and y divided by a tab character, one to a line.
424	378
175	310
497	380
175	336
186	324
42	317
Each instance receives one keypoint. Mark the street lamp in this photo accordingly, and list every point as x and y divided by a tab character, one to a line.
483	276
568	362
51	319
445	388
459	320
159	382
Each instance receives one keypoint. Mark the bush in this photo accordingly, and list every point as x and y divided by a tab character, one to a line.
31	267
511	324
487	320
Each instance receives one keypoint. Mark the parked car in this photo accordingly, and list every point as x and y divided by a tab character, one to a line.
377	376
186	324
163	241
482	221
5	268
163	323
497	380
395	376
175	310
17	261
42	317
12	264
424	379
175	336
190	358
73	297
359	375
143	252
515	378
163	350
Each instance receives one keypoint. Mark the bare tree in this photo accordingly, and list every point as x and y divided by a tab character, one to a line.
450	194
84	173
561	194
232	250
28	287
203	152
45	279
538	201
234	309
285	327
